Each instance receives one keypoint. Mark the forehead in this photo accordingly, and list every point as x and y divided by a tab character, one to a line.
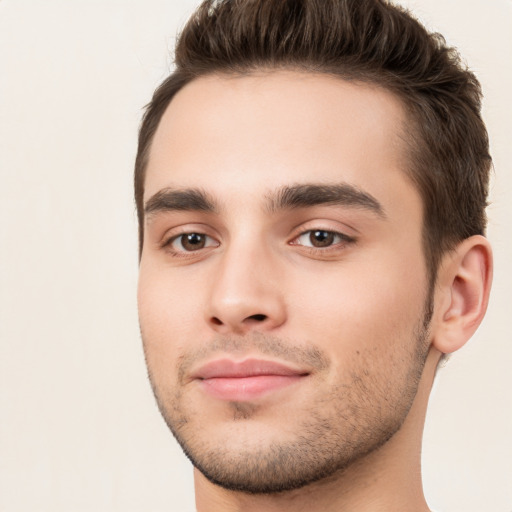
265	130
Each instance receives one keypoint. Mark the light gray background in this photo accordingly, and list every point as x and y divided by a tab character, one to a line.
79	430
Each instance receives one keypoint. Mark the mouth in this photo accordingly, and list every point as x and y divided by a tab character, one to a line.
246	380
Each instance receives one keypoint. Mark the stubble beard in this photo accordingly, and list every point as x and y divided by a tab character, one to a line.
352	420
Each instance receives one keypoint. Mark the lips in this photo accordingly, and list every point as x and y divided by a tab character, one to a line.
245	380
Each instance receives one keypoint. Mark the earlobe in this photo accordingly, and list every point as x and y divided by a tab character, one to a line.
464	283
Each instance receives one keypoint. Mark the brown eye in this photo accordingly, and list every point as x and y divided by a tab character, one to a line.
321	238
193	241
189	242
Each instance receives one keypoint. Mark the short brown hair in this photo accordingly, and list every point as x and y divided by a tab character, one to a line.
371	41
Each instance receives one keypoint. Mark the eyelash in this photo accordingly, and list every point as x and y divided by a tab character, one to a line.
168	244
343	241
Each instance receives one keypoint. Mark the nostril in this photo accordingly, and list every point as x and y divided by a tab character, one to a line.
258	318
216	321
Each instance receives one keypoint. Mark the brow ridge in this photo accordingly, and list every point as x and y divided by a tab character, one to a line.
288	197
189	199
312	194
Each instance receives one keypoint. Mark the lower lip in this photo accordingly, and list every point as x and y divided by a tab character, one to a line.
247	388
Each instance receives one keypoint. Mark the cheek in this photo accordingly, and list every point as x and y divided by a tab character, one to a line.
371	306
168	313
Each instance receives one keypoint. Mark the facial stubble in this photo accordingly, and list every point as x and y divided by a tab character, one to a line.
341	427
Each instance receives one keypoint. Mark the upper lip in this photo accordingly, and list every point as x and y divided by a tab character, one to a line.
227	368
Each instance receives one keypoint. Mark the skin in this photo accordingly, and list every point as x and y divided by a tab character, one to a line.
257	288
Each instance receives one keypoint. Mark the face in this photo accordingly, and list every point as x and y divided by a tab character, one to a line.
283	289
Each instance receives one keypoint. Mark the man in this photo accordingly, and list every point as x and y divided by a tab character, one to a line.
311	184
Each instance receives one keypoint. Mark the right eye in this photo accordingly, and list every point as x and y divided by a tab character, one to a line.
189	242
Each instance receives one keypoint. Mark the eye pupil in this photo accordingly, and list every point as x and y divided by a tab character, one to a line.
193	241
321	238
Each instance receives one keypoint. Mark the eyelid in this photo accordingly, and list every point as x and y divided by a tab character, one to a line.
176	238
325	224
328	252
341	236
171	235
184	229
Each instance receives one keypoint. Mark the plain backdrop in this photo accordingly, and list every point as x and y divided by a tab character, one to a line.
79	430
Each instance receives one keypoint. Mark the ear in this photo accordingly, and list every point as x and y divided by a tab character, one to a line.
462	293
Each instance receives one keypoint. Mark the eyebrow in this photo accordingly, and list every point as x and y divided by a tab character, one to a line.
308	195
189	199
289	197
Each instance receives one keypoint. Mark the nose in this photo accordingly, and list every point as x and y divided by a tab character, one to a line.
246	294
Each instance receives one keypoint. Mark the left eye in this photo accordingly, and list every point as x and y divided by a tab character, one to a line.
188	242
319	238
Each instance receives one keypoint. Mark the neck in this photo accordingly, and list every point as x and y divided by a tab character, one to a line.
388	479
